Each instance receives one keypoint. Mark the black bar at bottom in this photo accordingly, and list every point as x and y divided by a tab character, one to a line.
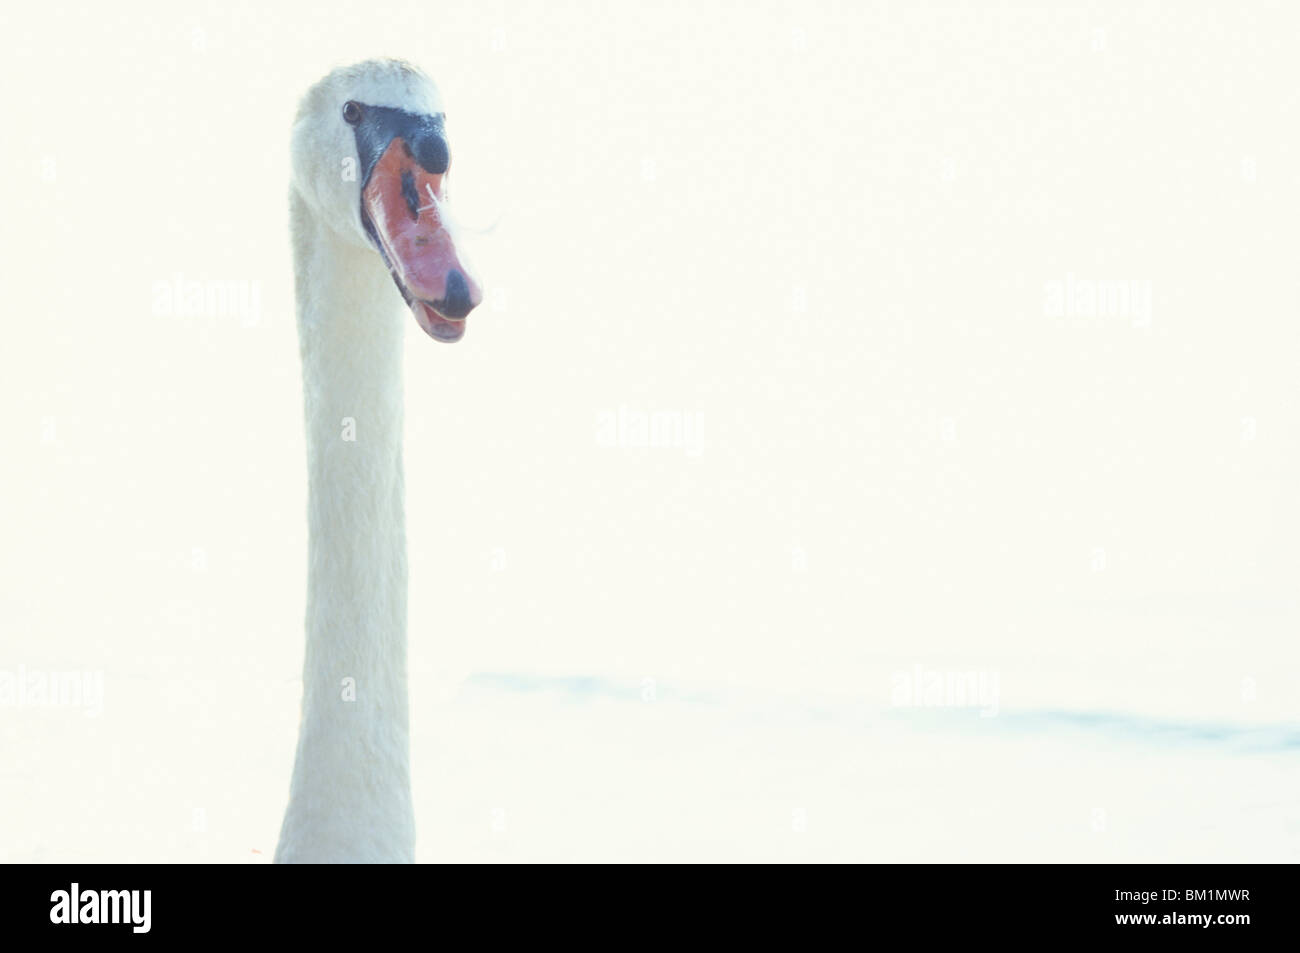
1229	903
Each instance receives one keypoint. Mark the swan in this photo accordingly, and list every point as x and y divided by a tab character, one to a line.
367	197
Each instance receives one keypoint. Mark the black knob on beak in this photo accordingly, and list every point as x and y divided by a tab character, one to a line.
455	303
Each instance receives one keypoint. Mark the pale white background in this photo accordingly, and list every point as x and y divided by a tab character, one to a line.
826	231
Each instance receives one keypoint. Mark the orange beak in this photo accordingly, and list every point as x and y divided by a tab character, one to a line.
404	205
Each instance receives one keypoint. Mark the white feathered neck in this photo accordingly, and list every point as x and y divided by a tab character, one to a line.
350	798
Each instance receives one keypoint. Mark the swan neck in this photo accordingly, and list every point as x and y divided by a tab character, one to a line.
350	794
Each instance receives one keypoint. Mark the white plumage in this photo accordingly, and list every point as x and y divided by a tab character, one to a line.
350	798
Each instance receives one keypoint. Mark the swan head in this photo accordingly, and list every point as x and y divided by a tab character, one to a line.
370	158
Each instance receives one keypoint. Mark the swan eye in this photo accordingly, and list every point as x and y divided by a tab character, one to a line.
351	113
